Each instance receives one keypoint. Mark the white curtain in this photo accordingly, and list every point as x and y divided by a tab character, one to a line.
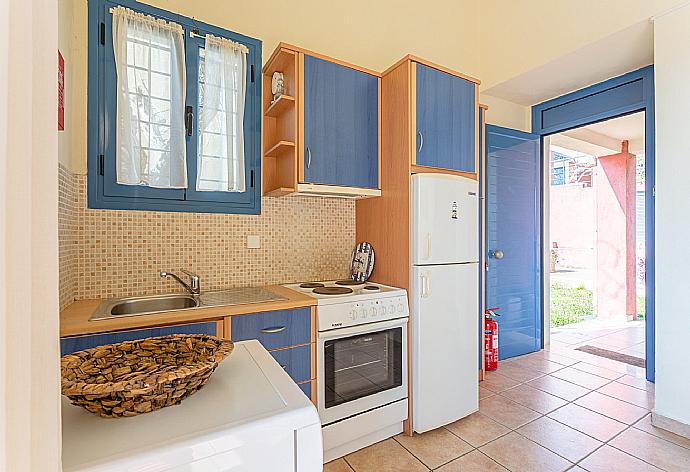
151	84
222	90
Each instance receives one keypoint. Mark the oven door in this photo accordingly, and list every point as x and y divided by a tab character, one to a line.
360	368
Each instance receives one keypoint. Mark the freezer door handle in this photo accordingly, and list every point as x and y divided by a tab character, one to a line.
427	246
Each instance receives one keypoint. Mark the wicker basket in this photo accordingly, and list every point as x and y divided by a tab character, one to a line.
135	377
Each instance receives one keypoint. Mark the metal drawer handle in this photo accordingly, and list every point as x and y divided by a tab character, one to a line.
308	157
284	366
421	141
276	329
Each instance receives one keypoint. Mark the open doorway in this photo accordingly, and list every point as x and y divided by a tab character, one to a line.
596	219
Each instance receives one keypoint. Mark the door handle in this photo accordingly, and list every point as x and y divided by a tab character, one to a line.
421	141
426	285
496	254
277	329
427	246
308	157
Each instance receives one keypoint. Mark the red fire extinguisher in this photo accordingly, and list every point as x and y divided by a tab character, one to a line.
491	339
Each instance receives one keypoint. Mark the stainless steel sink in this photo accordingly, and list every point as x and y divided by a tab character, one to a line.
143	305
135	306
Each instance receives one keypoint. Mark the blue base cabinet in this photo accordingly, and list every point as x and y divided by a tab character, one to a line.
446	120
71	344
287	335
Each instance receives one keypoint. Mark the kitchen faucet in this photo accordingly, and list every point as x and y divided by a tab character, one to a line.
194	288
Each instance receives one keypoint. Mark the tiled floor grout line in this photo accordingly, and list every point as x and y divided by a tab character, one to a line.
395	438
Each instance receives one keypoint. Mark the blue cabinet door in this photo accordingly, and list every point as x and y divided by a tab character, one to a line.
77	343
340	125
513	225
446	120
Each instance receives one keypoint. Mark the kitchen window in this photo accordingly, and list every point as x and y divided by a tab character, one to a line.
174	117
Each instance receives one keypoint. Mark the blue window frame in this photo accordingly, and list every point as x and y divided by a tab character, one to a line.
103	189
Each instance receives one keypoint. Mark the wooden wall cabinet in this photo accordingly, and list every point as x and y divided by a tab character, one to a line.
324	136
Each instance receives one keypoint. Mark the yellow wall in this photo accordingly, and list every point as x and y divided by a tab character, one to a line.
372	34
518	36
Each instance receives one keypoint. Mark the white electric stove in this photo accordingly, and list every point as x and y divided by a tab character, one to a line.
361	362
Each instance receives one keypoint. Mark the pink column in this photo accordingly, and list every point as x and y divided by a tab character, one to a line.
615	242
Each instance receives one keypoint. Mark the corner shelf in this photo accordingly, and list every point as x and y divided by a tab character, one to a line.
279	148
280	192
283	103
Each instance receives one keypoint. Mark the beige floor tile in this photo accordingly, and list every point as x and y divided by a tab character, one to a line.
593	424
645	424
434	448
559	438
477	429
540	364
484	393
519	373
629	394
598	370
519	454
558	358
533	399
608	459
386	456
338	465
507	412
497	383
560	388
581	378
659	452
475	461
618	410
636	382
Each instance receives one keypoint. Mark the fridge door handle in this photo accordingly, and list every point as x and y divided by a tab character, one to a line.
426	285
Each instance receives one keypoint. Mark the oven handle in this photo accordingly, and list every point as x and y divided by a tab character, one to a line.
370	328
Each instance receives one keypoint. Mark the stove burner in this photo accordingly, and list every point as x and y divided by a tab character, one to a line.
311	285
371	287
332	290
349	282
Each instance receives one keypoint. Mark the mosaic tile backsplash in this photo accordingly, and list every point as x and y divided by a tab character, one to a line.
114	253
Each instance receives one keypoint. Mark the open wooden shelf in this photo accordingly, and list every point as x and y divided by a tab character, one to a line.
283	103
280	148
280	192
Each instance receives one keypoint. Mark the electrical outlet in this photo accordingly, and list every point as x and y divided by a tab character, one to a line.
253	242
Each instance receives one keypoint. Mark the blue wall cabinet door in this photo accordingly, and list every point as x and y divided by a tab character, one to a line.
513	226
446	120
77	343
340	125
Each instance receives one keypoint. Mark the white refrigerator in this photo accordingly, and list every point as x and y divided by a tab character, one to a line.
445	302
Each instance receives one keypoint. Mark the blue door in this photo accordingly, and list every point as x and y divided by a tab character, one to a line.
340	125
446	120
513	238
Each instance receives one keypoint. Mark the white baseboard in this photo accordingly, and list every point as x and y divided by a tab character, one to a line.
671	425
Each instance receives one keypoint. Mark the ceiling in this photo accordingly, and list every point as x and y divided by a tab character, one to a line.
605	137
627	50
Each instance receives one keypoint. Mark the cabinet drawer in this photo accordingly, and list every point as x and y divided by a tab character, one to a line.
306	388
274	329
296	361
77	343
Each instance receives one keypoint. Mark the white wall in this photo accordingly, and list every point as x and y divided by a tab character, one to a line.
29	373
672	95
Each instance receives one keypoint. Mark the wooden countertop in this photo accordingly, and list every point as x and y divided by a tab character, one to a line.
74	319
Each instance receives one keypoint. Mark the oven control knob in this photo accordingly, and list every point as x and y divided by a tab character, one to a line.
372	312
353	315
401	308
363	313
391	310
